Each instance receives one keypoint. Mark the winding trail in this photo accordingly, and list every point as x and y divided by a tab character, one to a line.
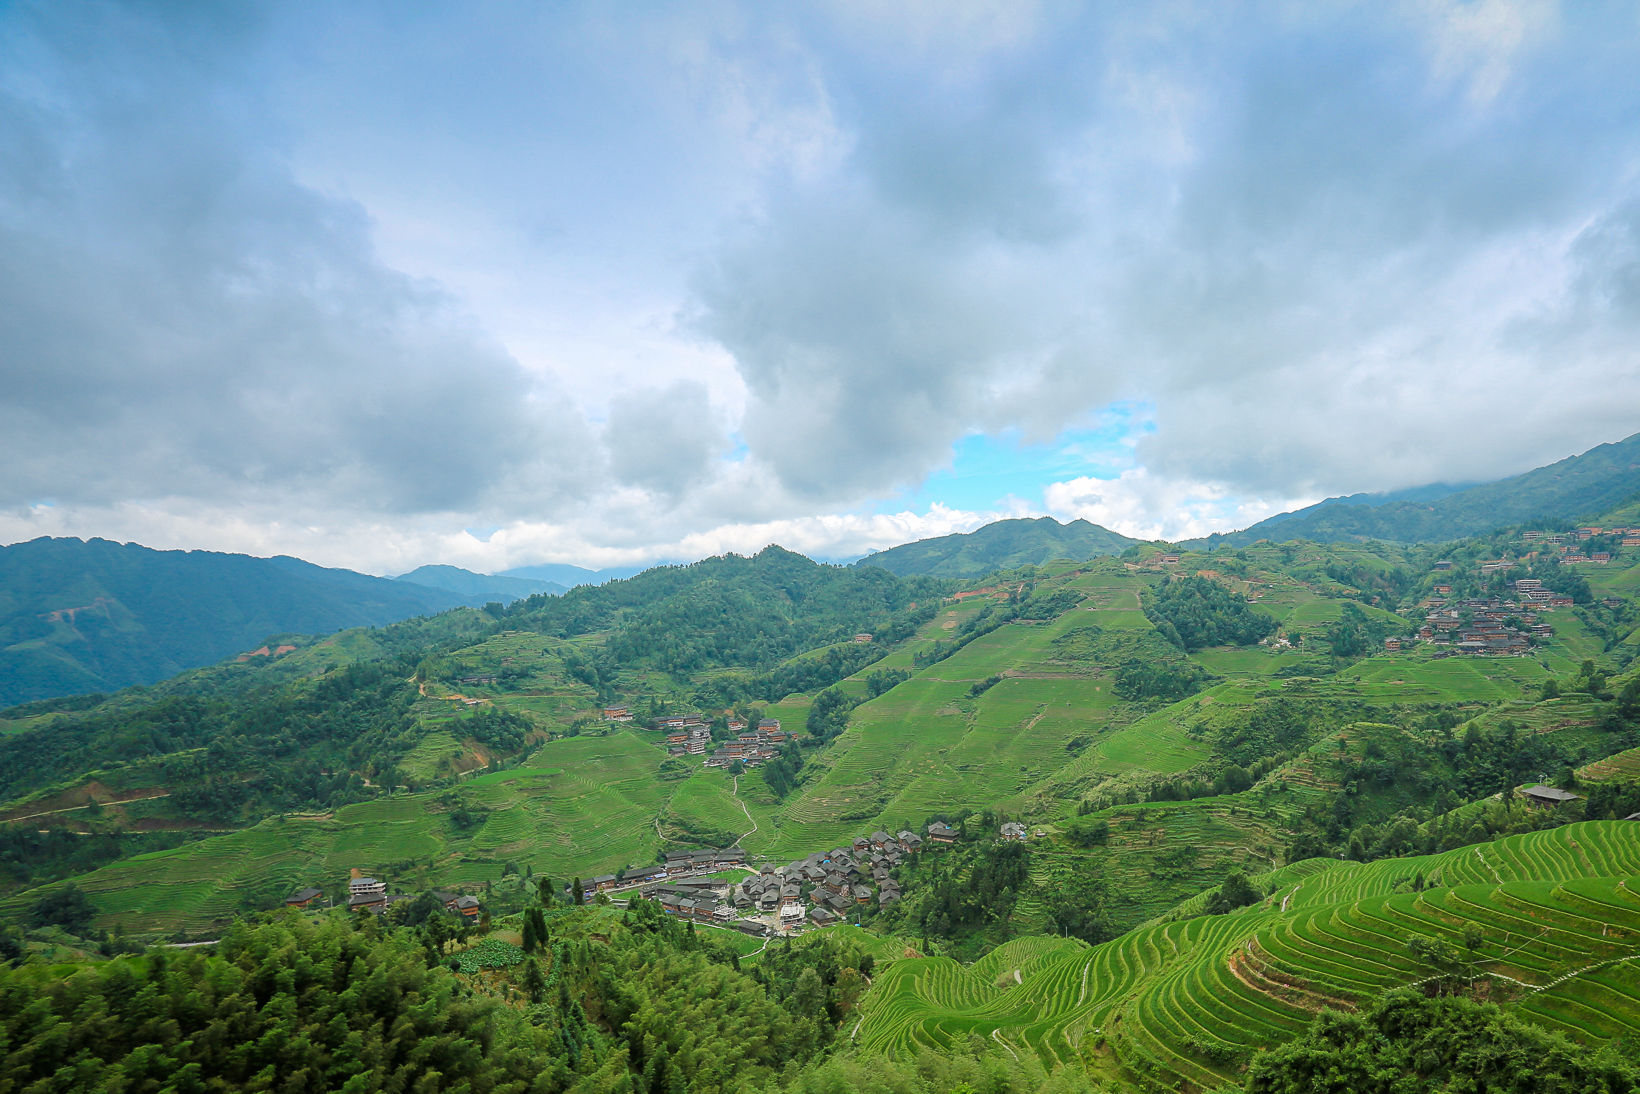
996	1035
734	793
1290	896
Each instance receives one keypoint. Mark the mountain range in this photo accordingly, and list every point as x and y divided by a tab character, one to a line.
476	590
83	616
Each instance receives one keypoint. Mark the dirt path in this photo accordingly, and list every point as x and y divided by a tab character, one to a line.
735	794
996	1035
73	808
1290	896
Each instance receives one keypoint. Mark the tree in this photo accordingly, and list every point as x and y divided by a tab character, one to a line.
575	894
67	908
1235	892
1079	907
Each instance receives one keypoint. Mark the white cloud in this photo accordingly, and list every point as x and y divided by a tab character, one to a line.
1145	506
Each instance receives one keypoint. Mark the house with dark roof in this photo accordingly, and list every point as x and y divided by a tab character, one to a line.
301	898
942	833
1548	796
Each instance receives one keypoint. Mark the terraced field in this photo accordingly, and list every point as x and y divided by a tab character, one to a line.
584	805
1184	1004
1624	765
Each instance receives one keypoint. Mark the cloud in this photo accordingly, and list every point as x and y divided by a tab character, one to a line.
183	319
1145	506
625	287
1308	236
664	440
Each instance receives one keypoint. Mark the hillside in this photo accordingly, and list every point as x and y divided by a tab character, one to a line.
79	617
1004	545
1574	489
478	589
1160	723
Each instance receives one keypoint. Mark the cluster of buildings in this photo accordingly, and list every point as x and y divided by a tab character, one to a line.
691	735
819	890
678	864
368	894
1570	546
1488	625
750	747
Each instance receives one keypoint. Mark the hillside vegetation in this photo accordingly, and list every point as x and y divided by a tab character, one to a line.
96	616
1002	545
1249	790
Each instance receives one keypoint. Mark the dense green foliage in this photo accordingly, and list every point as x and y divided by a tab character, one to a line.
1407	1041
746	612
1003	545
283	1006
94	616
1195	612
227	758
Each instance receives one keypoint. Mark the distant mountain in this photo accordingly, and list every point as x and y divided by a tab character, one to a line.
80	616
568	576
1000	546
476	590
1576	488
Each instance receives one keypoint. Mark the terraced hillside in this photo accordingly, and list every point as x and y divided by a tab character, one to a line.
1184	1005
1013	701
583	805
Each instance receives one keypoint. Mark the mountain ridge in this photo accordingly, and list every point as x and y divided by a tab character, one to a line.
1000	545
1575	488
94	615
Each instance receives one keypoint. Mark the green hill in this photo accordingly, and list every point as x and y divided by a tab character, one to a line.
1576	488
1004	545
478	589
1160	724
80	617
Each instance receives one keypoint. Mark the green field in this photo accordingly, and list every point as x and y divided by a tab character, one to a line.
1186	1003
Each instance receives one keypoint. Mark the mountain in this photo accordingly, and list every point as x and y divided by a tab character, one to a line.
79	616
560	573
1575	488
1000	546
476	590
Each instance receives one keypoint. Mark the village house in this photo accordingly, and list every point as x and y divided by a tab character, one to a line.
862	638
1014	832
1548	796
301	898
617	714
942	833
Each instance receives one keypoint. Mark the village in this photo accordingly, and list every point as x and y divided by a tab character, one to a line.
1495	626
814	892
691	735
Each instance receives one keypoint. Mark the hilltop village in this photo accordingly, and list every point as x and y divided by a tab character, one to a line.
1495	625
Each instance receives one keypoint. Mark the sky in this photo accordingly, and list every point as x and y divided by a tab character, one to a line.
496	284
